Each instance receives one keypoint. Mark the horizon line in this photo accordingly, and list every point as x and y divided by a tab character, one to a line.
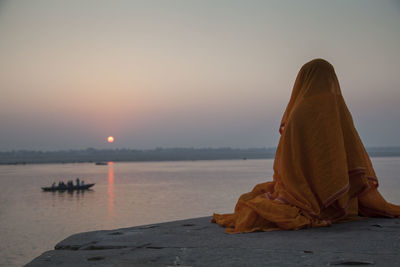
163	148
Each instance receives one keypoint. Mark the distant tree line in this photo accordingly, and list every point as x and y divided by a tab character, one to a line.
158	154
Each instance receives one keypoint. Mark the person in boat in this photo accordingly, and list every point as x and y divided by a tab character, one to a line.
70	184
82	183
322	172
61	185
77	182
53	185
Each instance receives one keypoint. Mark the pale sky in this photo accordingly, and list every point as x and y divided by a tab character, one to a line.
187	73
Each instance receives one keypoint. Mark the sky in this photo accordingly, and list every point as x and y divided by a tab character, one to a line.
208	73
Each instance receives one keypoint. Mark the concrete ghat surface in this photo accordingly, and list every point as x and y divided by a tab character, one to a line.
197	242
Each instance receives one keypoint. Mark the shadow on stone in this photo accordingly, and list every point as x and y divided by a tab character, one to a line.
97	258
351	262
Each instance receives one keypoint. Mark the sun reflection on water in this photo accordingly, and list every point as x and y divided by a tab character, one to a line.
110	190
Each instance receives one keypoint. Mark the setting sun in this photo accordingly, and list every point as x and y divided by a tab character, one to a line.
110	139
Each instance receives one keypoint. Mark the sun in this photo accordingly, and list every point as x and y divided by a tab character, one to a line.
110	139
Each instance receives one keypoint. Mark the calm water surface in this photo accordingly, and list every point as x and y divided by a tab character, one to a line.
128	194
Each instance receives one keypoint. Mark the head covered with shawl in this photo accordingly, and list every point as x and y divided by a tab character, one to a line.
322	172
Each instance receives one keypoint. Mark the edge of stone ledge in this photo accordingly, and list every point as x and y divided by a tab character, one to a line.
198	242
86	240
68	242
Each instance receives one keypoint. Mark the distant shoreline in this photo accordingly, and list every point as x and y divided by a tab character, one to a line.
92	155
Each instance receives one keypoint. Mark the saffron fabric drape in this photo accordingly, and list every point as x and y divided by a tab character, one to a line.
322	172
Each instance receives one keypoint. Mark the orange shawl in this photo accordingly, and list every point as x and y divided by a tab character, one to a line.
322	172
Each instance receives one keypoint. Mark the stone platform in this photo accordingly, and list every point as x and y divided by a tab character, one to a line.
197	242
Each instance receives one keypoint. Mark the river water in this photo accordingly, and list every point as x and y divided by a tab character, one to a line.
128	194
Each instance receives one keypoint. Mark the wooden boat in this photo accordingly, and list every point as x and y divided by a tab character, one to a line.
68	188
101	163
